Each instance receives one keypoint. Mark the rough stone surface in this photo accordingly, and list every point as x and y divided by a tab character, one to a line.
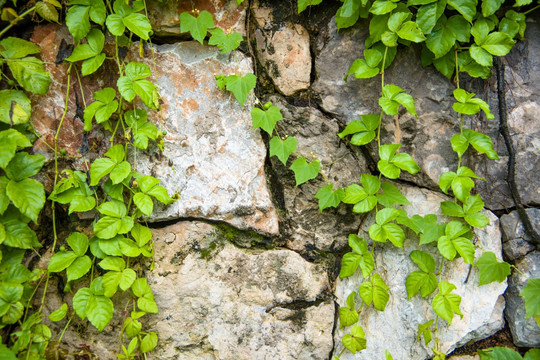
482	307
234	303
305	226
285	55
525	333
516	243
212	155
165	16
427	137
464	357
522	77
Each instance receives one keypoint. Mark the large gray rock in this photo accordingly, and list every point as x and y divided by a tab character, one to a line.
305	226
212	155
217	301
522	78
516	243
427	137
482	306
525	333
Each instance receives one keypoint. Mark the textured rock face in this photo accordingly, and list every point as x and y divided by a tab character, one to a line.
482	306
212	156
165	16
233	303
286	56
516	243
306	226
525	333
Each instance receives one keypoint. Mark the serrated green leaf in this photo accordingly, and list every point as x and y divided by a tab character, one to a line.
144	203
303	4
100	168
138	24
421	281
424	330
374	291
423	260
266	119
78	268
15	109
347	317
391	196
499	353
23	165
282	148
452	209
113	263
28	196
225	42
531	296
441	40
445	304
304	171
61	260
149	342
361	70
410	31
241	86
78	242
359	257
328	197
498	43
17	48
59	313
99	311
196	26
356	340
491	270
381	7
467	8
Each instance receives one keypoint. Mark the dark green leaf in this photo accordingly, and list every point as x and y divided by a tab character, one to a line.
467	8
531	295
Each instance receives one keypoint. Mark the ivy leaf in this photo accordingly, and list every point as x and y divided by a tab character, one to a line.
460	182
197	26
498	43
149	342
491	270
356	340
61	260
304	171
17	233
47	11
78	268
78	17
499	353
241	86
144	203
149	186
374	291
24	165
469	105
303	4
452	242
16	48
134	83
78	242
225	42
423	260
381	7
410	31
15	107
531	295
360	256
481	143
146	301
424	330
363	131
113	165
391	163
30	74
347	314
328	197
10	141
428	14
421	281
102	108
467	8
352	7
28	196
141	129
138	24
445	304
393	96
90	52
361	70
391	196
266	119
59	313
282	148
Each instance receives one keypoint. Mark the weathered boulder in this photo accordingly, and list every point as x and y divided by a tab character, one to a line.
212	155
396	328
165	15
525	333
217	301
285	55
516	243
305	227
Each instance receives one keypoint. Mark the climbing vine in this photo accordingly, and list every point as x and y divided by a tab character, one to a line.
457	36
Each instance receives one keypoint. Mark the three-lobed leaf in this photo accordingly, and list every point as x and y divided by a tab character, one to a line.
304	171
282	148
491	269
266	119
196	26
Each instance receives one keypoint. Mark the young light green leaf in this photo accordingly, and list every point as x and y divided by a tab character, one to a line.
356	340
134	83
197	26
282	148
391	196
410	31
102	108
304	171
425	331
421	281
531	295
78	17
374	291
491	270
499	353
423	260
225	42
16	48
30	74
445	304
78	242
347	314
361	70
467	8
360	256
15	108
498	43
59	313
61	260
78	268
149	342
241	86
328	197
266	119
303	4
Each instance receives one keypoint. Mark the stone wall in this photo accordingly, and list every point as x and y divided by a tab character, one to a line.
246	265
